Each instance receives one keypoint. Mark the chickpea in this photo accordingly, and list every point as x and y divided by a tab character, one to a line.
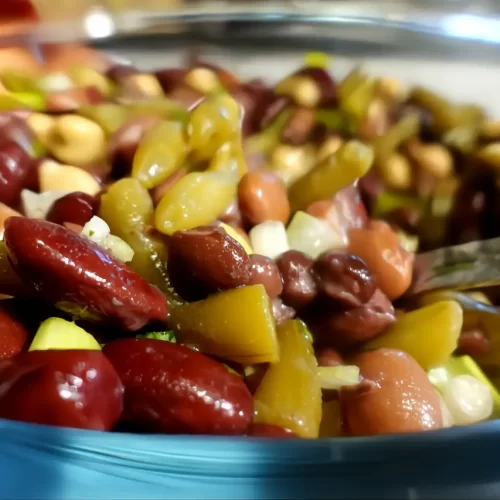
303	90
142	84
396	171
491	129
66	178
329	147
262	197
77	141
434	158
203	80
42	126
291	162
391	89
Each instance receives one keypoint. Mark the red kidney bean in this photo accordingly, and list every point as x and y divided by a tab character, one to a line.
328	357
119	72
344	280
62	388
32	180
232	215
210	256
171	388
342	330
124	142
370	187
400	397
14	336
79	277
282	312
14	168
15	129
299	287
171	78
265	272
77	208
474	343
270	431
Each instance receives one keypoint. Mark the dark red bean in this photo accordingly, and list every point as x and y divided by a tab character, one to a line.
171	388
63	388
15	165
265	272
77	208
299	127
207	259
79	277
344	280
120	72
170	78
473	343
15	129
344	330
299	287
326	84
14	336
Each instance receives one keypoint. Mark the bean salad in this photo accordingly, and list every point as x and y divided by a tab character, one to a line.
186	252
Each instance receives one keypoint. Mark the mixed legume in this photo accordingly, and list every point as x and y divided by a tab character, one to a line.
204	255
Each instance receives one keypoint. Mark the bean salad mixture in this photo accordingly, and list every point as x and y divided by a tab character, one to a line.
186	252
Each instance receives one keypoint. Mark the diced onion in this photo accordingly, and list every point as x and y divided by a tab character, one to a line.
447	416
312	235
37	205
269	239
468	399
120	250
336	377
55	82
96	230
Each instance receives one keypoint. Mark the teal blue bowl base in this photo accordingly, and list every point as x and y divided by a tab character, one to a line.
48	463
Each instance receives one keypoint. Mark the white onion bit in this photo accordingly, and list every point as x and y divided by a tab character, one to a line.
312	235
336	377
37	205
269	239
468	399
96	230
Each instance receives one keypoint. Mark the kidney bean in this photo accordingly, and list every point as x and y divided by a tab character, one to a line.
370	187
399	399
208	255
405	218
124	142
78	276
346	329
328	357
14	128
270	431
391	265
299	287
119	72
344	280
265	272
474	343
170	388
263	197
14	167
299	127
77	208
326	84
32	180
62	388
170	78
14	336
282	312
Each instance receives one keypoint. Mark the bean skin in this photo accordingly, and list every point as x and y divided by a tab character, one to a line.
328	357
262	197
76	208
399	399
207	258
15	165
343	279
265	272
79	277
299	287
